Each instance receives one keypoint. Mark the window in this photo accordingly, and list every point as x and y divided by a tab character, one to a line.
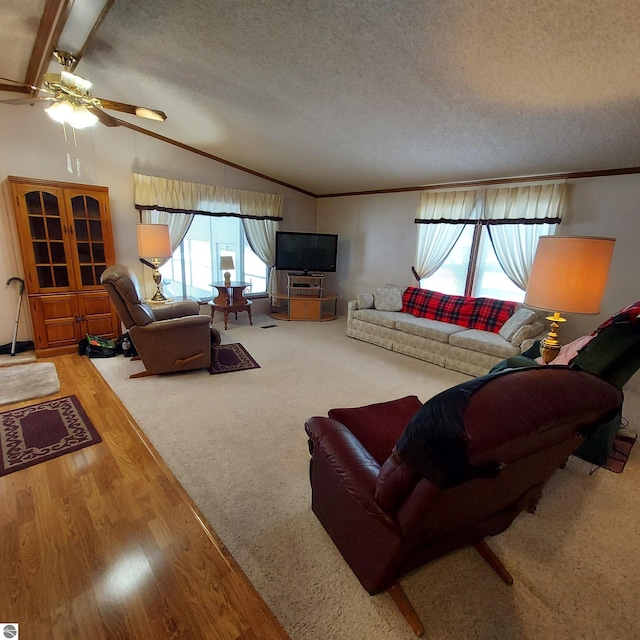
474	273
498	241
195	264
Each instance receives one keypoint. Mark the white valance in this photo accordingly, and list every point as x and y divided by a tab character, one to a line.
516	204
542	203
178	196
447	206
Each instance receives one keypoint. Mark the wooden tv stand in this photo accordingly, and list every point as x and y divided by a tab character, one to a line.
305	299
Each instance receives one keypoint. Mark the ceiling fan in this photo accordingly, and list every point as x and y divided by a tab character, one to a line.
68	99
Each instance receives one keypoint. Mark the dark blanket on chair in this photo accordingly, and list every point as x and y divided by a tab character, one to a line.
474	428
434	443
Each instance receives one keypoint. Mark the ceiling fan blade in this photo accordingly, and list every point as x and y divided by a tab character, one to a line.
144	112
104	117
35	101
16	84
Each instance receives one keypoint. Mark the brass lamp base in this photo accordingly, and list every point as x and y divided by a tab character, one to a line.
157	278
550	346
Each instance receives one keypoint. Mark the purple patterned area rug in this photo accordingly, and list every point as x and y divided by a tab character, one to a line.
43	431
233	357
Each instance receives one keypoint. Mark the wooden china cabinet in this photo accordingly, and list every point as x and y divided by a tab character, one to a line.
66	243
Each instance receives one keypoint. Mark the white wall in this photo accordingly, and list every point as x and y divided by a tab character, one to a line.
33	146
377	239
610	207
376	242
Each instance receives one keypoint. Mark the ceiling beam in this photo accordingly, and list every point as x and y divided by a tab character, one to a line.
78	54
54	17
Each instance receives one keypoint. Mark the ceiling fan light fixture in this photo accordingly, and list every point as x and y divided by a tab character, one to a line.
75	115
60	111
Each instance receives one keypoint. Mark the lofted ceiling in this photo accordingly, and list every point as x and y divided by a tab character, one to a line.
339	96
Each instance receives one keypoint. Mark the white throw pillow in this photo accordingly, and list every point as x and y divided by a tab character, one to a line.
526	331
388	298
521	317
365	301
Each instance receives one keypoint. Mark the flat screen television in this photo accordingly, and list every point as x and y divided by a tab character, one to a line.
306	252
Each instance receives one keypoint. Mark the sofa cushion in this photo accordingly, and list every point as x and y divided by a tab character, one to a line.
365	301
521	317
388	298
525	332
426	328
378	426
485	342
382	318
486	314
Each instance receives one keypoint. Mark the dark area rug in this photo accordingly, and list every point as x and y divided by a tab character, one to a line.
622	446
43	431
233	357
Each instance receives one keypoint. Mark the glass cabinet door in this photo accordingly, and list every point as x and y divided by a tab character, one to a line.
45	217
89	235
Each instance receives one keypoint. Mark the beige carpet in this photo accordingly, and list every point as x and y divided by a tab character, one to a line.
27	381
237	444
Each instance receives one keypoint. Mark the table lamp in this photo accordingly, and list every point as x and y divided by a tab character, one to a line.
568	275
154	242
226	263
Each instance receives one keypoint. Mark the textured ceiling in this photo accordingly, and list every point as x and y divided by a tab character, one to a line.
334	96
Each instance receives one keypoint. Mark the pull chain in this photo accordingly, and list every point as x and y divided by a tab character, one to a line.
66	145
75	144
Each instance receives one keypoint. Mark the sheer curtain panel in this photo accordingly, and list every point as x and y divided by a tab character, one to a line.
517	217
441	219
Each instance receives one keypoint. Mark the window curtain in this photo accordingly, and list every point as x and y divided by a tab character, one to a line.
175	202
178	223
261	236
517	217
441	219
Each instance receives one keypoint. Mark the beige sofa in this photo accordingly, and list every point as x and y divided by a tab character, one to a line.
470	351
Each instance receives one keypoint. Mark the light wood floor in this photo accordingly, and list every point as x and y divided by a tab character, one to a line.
103	543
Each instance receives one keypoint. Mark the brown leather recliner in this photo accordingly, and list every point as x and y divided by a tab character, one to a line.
399	483
168	337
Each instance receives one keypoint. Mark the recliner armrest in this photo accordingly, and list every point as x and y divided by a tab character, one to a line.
171	324
176	309
351	462
344	478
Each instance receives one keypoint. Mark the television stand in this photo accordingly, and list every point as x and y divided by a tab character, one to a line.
305	299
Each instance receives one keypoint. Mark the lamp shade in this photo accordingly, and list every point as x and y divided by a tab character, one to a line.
226	263
154	241
569	274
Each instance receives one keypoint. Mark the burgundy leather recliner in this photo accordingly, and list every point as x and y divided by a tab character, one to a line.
397	484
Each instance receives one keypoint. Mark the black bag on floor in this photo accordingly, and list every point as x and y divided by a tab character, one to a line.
97	347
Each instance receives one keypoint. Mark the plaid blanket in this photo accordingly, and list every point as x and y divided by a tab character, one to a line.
486	314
